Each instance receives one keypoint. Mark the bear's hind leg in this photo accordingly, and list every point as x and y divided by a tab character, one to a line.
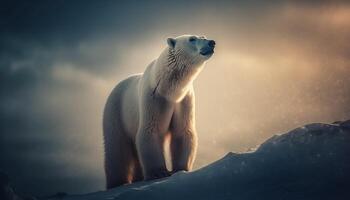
137	170
118	163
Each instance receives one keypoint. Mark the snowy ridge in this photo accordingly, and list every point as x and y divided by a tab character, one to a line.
310	162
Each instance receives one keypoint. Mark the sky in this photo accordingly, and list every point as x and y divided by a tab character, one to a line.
277	66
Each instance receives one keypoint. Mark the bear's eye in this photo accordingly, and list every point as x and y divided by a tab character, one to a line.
192	39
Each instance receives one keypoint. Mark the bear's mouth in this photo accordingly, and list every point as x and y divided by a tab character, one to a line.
206	51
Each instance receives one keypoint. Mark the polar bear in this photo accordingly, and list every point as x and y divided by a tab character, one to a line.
145	110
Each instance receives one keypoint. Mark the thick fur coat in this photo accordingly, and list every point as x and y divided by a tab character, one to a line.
146	109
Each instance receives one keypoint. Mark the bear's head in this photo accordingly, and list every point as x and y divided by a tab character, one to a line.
180	63
191	48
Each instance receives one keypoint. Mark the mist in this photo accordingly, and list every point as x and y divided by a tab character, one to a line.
276	66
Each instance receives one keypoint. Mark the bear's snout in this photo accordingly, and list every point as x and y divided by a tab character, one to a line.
211	43
208	48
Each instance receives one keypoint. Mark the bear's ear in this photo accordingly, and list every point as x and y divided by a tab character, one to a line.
171	42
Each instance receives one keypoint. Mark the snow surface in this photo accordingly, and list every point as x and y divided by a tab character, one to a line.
310	162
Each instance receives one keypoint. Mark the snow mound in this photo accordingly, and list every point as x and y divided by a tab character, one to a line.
310	162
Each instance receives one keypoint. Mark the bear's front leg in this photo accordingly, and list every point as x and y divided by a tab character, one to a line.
183	144
151	153
155	117
183	150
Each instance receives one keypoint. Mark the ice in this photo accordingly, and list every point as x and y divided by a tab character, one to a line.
310	162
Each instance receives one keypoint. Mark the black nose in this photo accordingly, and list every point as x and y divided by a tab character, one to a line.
211	43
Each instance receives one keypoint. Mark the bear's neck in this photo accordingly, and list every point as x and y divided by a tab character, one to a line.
174	74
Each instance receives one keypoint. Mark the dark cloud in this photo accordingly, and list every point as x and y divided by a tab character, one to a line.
278	65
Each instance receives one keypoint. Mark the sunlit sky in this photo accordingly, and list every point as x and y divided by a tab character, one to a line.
277	66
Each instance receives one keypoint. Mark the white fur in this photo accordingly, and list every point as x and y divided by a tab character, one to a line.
143	110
